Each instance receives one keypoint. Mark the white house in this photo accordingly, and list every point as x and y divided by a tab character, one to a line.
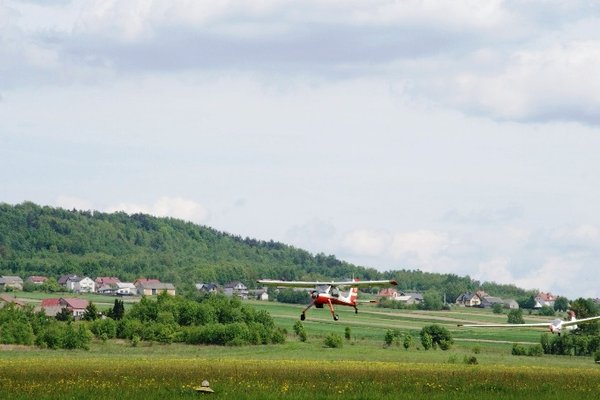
126	289
236	288
81	285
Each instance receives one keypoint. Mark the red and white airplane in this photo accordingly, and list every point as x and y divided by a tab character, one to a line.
329	293
554	326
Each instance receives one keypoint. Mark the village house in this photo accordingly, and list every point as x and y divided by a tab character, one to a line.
468	299
544	300
126	289
145	288
12	282
64	279
207	287
37	279
81	285
6	299
236	288
389	293
104	281
262	295
511	304
489	301
145	280
75	306
410	298
51	306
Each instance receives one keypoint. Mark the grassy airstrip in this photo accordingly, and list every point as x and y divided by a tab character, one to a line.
363	369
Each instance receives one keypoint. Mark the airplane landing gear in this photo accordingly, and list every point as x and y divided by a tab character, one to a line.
302	317
336	317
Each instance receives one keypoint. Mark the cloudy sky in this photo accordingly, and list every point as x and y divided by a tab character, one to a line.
456	137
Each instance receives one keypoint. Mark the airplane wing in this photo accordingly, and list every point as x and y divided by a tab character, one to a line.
537	324
556	323
304	284
579	321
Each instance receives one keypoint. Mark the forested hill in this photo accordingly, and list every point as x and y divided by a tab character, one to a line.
36	240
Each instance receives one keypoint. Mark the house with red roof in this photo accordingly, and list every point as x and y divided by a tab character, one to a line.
145	280
74	305
54	306
544	300
51	306
106	280
37	279
389	293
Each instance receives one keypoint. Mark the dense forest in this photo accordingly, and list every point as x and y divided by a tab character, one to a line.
41	240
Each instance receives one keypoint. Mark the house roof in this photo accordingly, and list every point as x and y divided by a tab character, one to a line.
106	280
234	284
145	280
63	279
415	295
8	279
466	297
50	303
125	285
11	299
207	286
546	296
492	299
157	286
74	303
37	278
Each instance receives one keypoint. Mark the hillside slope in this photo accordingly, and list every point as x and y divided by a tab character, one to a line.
52	241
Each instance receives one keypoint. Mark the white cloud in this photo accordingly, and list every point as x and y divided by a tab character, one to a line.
494	270
423	246
367	242
174	207
531	85
558	273
420	248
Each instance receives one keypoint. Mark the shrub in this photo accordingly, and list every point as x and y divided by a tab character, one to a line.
389	337
408	341
333	340
104	327
516	316
347	333
535	351
278	336
497	308
426	340
472	360
440	336
518	350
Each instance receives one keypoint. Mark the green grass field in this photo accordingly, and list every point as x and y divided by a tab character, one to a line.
362	369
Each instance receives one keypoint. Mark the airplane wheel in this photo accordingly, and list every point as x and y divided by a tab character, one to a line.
336	317
302	317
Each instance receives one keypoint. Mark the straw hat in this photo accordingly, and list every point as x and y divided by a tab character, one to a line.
204	387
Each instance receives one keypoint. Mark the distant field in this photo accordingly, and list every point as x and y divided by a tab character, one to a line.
363	369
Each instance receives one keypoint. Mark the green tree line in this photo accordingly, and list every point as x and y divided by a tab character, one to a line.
42	240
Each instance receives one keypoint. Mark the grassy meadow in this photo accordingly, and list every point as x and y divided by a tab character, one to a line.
362	369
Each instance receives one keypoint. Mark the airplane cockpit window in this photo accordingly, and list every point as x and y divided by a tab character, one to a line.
335	292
